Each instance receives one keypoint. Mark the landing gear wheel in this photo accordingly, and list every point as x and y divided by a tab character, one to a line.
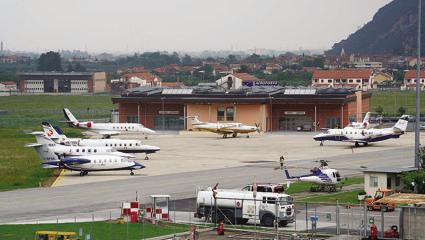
131	173
247	136
365	144
225	136
146	158
234	135
146	137
321	144
81	174
357	144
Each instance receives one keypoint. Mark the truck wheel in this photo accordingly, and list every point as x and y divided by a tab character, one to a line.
283	223
267	220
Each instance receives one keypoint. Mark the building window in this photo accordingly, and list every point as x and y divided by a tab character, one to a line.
329	80
132	119
333	123
397	181
220	114
389	185
229	114
373	181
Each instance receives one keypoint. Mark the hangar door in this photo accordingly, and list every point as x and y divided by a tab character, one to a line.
168	122
293	123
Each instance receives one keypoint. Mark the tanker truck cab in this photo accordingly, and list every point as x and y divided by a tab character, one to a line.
239	207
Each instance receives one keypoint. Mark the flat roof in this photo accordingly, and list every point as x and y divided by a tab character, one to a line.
256	94
54	74
389	170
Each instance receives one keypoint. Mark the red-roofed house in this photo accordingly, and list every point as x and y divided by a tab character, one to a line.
347	78
235	80
8	86
141	79
410	80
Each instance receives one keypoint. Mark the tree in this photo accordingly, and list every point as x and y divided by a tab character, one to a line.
50	61
244	69
401	111
69	68
416	178
379	110
231	59
187	60
79	68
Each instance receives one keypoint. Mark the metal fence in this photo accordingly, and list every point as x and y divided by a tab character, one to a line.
313	221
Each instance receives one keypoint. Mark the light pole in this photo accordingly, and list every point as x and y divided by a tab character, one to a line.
418	91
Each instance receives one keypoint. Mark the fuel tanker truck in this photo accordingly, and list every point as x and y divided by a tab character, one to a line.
238	207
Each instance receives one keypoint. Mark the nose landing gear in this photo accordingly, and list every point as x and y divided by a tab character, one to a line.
83	173
131	173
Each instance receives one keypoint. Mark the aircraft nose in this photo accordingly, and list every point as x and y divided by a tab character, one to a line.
150	131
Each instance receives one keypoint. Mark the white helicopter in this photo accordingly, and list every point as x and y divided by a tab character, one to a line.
126	146
323	178
51	158
106	129
224	128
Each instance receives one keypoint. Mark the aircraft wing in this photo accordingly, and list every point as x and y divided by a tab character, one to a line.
356	140
225	130
107	134
33	145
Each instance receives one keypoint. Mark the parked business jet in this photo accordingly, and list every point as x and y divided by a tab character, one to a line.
223	128
107	129
62	150
324	177
364	136
82	163
126	146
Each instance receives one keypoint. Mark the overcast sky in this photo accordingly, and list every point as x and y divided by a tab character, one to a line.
188	25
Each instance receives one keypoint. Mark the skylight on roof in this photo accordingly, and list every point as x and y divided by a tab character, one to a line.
304	91
177	91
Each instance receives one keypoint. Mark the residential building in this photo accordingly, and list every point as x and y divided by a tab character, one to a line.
409	82
345	78
141	79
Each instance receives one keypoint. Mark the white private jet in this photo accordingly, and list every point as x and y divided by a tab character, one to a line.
324	177
107	129
61	150
223	128
126	146
82	163
364	136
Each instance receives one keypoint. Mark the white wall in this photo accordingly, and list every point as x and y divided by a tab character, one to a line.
382	182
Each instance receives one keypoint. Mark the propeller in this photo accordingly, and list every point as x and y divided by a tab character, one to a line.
258	128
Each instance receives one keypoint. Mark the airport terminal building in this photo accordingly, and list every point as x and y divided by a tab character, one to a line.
274	108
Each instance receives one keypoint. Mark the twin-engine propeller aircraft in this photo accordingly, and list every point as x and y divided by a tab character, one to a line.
82	161
126	146
364	136
106	129
323	178
224	128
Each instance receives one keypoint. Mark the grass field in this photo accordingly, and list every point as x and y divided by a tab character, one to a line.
20	166
342	197
391	101
97	230
305	187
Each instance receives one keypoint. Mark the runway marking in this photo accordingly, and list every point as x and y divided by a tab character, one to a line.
59	179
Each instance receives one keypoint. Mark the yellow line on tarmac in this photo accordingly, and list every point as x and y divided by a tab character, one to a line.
58	179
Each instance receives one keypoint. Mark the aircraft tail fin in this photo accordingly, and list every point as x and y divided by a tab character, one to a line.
50	131
401	124
287	173
41	138
194	120
44	151
70	117
366	119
